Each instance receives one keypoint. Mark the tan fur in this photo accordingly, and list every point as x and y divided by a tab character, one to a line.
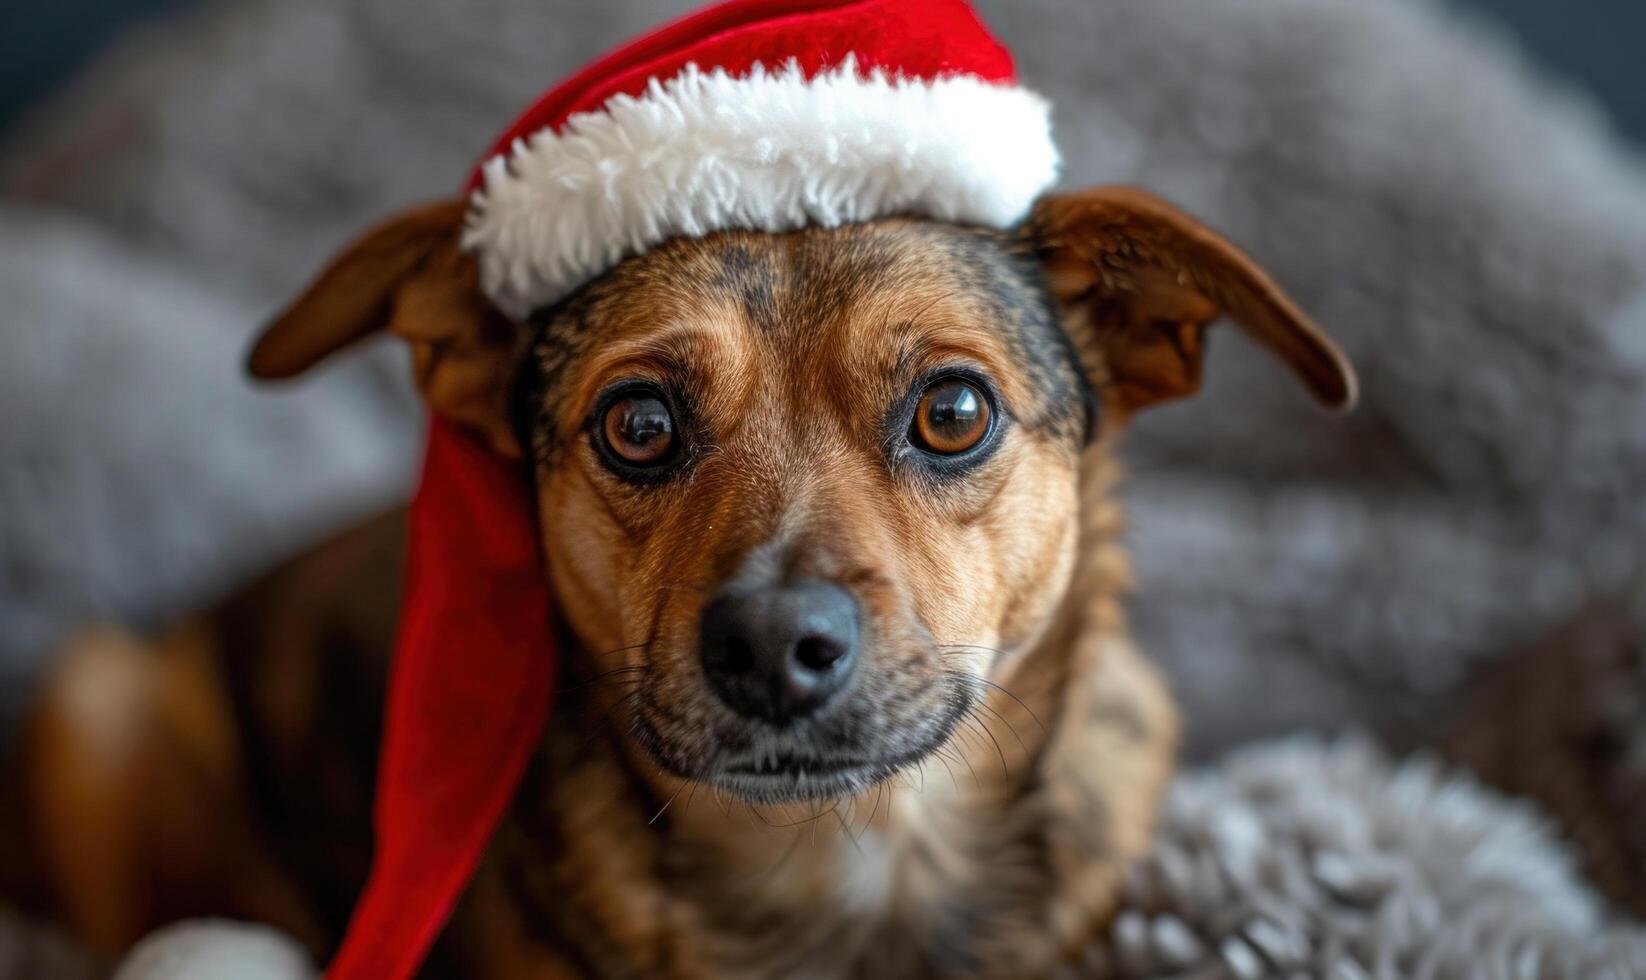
995	849
1043	798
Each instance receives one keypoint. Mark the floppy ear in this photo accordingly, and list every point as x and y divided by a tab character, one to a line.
410	276
1137	281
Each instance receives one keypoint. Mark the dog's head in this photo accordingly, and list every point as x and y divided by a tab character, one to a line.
803	494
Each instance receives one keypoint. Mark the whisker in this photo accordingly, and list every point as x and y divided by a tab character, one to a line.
961	647
782	861
880	791
973	716
666	803
1020	703
961	756
820	812
618	706
1005	721
803	822
616	650
632	673
846	829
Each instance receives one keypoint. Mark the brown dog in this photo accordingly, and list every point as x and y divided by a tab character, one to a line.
829	522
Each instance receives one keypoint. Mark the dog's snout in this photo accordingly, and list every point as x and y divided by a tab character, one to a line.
781	652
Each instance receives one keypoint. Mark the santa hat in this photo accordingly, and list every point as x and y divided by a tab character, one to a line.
760	114
768	115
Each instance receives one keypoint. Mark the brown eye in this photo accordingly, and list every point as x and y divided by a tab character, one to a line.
953	416
639	429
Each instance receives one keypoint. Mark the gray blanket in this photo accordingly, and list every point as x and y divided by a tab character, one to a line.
1302	858
1473	234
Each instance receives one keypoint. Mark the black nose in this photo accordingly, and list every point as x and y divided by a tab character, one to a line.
780	652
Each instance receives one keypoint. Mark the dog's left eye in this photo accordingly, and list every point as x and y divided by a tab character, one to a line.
952	417
638	429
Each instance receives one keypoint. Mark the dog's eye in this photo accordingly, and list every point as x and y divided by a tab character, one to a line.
952	417
639	429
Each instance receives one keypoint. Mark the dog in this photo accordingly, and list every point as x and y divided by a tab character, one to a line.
830	524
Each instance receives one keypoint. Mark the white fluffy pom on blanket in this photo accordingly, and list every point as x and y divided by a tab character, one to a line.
1298	858
214	949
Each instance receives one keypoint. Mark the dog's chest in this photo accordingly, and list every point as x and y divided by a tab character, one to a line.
925	888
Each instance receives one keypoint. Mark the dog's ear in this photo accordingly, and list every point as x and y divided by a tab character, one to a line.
1137	281
410	276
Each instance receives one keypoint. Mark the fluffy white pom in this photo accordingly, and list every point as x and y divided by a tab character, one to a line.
216	949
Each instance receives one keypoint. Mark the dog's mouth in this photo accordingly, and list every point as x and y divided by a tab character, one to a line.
791	764
775	773
809	762
779	777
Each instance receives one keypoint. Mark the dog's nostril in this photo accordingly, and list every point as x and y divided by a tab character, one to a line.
736	656
818	653
782	652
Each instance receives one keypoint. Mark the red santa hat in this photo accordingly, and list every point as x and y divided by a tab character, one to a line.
759	114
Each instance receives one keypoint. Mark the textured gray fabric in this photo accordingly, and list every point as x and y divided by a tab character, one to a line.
1301	858
1473	235
141	475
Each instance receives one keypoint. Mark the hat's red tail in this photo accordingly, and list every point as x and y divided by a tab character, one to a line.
469	690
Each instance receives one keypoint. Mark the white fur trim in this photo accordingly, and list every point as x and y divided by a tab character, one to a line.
705	151
216	949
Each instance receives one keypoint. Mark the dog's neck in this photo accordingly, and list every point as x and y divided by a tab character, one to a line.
996	853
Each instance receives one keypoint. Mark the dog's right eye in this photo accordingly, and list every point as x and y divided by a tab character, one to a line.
951	418
638	429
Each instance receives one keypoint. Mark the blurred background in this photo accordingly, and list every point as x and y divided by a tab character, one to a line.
1592	43
1455	191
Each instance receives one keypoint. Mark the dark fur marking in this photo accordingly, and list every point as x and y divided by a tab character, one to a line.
750	283
825	276
1011	285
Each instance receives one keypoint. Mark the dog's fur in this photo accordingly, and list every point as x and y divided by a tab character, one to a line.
1009	743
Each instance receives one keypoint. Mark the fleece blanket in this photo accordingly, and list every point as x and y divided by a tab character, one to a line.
1472	232
1298	858
1306	858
